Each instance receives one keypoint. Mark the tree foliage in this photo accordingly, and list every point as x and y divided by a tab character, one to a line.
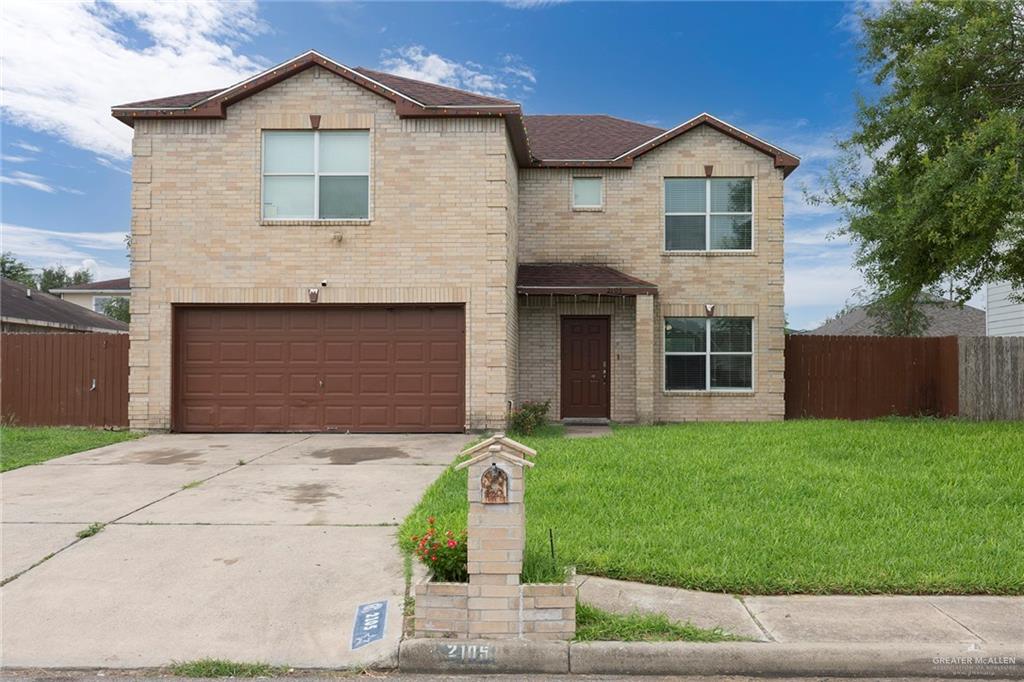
12	268
58	277
930	182
117	308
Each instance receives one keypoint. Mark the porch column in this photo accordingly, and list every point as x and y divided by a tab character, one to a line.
645	379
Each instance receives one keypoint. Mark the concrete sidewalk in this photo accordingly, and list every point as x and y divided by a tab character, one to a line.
827	619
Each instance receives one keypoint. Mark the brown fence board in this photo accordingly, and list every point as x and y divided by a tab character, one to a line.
46	379
862	377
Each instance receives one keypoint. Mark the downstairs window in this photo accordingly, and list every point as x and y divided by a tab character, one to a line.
708	353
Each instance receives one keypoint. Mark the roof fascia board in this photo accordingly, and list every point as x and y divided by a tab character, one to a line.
783	159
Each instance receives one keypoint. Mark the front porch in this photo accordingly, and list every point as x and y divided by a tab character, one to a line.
586	342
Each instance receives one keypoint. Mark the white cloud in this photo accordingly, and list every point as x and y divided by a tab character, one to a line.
515	66
36	182
831	284
415	61
530	4
100	60
107	163
10	158
21	179
101	252
21	144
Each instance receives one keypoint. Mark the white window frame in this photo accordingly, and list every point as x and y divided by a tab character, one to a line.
108	297
707	213
707	352
572	193
316	175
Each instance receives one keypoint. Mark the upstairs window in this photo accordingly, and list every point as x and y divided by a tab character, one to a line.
316	175
709	353
708	214
586	192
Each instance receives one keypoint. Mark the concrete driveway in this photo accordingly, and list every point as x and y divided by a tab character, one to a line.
264	557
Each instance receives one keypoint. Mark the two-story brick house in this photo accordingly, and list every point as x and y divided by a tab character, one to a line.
329	248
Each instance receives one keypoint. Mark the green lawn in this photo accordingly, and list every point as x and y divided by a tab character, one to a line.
890	506
593	625
24	445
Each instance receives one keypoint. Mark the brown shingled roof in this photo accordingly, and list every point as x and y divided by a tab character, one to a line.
172	102
579	136
551	141
578	278
431	94
44	310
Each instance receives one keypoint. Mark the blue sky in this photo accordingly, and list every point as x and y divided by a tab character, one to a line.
786	72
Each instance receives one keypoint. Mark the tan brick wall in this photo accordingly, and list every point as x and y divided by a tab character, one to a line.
629	235
540	350
443	202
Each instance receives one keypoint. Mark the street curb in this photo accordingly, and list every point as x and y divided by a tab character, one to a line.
935	660
798	660
426	655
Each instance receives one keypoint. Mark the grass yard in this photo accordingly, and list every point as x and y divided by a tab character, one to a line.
593	625
24	445
888	506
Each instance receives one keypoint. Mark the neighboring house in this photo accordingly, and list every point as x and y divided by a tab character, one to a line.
463	258
945	318
96	295
1004	316
28	310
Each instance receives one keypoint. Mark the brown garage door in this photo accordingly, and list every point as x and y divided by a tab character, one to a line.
319	368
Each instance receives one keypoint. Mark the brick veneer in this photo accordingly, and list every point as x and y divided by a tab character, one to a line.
628	234
493	604
451	214
442	229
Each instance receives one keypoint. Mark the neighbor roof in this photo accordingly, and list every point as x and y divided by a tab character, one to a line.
578	278
546	141
44	310
120	284
945	318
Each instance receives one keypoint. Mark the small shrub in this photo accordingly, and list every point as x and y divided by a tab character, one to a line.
529	417
444	554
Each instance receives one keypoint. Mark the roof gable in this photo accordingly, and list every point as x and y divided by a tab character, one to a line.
541	141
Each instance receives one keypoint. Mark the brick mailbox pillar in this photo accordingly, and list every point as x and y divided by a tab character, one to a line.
496	605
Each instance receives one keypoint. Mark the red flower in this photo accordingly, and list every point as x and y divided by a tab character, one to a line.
433	558
452	544
430	520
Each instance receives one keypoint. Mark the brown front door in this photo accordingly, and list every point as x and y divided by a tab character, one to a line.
319	368
586	367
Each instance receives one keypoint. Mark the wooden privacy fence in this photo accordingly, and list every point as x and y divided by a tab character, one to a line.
64	379
992	377
861	377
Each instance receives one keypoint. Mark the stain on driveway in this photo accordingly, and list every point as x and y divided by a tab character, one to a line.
357	455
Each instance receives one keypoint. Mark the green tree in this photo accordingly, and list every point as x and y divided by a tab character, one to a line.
12	268
930	182
58	278
117	308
